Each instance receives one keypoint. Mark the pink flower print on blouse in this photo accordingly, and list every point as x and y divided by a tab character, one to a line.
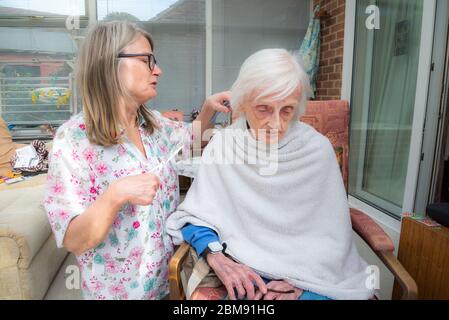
57	154
75	156
90	155
136	254
57	188
64	215
97	286
136	224
118	290
111	266
101	168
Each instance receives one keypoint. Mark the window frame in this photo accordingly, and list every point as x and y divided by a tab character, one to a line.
426	47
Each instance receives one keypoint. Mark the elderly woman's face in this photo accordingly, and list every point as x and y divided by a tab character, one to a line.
269	119
135	74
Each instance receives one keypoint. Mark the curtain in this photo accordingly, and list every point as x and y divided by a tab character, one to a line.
392	97
310	49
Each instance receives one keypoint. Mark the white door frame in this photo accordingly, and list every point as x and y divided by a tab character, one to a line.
422	91
436	105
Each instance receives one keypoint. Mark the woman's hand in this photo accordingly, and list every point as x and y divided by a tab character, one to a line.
279	290
215	102
139	189
235	275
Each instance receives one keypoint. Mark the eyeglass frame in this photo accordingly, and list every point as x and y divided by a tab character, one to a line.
151	58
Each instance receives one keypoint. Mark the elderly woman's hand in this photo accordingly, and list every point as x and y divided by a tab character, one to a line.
279	290
235	275
139	189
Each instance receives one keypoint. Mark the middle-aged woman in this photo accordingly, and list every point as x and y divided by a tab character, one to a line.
105	200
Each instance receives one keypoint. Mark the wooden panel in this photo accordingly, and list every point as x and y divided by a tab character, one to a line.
424	252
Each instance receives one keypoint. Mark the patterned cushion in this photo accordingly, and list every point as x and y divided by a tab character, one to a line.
205	293
331	118
370	231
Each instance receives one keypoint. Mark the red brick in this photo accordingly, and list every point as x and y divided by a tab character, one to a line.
328	69
331	57
335	76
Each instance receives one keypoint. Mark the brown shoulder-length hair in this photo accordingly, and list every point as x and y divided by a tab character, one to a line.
98	80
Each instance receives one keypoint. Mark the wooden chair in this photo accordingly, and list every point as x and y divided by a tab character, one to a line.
331	118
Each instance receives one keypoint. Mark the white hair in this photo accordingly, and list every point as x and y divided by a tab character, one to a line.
274	73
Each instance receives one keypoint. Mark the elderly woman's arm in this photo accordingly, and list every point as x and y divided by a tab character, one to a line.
89	229
236	275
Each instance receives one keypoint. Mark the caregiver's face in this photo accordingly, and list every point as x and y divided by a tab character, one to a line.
135	73
269	119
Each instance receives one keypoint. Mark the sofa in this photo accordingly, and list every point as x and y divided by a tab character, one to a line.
29	258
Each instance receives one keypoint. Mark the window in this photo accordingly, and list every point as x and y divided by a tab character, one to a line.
383	99
238	29
38	50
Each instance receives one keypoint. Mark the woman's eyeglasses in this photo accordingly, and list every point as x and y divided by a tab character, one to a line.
151	59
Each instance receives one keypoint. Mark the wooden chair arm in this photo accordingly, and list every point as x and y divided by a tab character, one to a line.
174	272
405	280
383	247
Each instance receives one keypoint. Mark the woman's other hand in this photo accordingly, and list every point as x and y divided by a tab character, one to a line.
279	290
235	275
138	190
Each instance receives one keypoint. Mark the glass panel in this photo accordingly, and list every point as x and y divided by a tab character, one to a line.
138	10
45	8
241	28
383	98
179	33
36	86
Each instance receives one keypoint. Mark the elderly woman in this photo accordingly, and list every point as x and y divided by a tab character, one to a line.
110	185
287	230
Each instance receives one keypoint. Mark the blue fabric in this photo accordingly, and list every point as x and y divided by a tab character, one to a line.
198	237
307	295
310	50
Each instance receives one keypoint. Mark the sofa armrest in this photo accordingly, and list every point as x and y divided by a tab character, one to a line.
9	271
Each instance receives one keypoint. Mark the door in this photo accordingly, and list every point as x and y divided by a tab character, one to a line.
388	101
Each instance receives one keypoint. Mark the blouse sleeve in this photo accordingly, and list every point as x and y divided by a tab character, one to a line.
67	188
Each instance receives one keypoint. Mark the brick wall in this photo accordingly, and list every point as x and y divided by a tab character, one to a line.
331	58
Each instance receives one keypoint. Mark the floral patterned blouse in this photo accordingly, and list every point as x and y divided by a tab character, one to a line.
132	261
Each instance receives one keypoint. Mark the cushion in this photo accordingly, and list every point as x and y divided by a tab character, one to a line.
7	148
370	231
331	118
206	293
23	219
